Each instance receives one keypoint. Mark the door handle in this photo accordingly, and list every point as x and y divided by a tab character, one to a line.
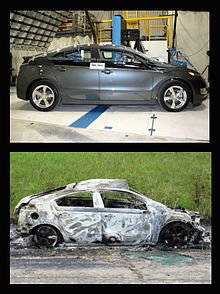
61	68
107	71
59	213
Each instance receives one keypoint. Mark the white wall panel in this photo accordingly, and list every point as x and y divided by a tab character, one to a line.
192	33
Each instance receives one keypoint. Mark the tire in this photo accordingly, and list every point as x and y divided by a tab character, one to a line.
46	236
175	234
174	96
43	95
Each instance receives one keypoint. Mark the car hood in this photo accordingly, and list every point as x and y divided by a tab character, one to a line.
168	67
175	69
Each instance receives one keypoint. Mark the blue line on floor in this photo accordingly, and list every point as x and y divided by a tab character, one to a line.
85	120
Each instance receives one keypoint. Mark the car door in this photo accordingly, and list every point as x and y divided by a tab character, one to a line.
79	82
123	224
79	217
125	77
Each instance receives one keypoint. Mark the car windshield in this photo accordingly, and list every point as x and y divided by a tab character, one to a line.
144	59
142	55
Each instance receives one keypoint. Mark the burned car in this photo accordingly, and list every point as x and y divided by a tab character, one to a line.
105	211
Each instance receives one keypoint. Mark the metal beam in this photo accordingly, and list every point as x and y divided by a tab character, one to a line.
116	30
91	26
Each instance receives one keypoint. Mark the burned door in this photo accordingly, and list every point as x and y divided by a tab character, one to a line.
125	225
79	219
125	220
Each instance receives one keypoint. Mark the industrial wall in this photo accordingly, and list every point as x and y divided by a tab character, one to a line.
192	38
108	14
55	44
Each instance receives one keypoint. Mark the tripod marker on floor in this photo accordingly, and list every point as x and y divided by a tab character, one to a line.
152	126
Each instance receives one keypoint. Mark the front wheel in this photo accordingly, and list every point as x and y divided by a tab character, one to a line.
174	96
175	234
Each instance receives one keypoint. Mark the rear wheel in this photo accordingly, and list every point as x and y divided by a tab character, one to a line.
43	95
46	236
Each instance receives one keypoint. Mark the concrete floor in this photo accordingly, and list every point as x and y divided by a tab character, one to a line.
115	124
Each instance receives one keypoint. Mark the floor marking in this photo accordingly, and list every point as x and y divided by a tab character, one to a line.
152	127
85	120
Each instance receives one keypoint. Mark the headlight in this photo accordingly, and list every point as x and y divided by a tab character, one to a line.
191	73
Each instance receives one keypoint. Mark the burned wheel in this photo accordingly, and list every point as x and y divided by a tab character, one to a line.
175	234
46	236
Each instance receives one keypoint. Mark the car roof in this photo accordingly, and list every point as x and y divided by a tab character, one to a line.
87	185
95	184
100	46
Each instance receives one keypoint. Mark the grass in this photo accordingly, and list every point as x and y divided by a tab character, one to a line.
172	178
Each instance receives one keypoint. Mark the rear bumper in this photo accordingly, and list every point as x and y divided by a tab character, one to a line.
22	84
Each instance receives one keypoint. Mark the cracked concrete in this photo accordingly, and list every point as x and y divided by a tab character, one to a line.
105	265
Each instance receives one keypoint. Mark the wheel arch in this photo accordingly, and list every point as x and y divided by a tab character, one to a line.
53	82
34	229
162	83
176	221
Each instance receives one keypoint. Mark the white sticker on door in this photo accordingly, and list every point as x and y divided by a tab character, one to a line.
97	65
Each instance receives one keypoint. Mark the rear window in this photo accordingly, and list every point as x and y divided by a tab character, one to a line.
79	57
76	200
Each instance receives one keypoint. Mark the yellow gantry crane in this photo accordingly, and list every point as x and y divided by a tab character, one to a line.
133	23
133	19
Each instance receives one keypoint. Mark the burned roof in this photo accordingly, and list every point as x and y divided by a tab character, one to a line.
96	184
91	185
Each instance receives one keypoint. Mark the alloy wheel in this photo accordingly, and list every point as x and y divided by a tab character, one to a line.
175	97
43	96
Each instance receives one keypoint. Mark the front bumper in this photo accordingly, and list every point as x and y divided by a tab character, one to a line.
200	90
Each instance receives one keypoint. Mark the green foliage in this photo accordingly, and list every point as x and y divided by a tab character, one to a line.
172	178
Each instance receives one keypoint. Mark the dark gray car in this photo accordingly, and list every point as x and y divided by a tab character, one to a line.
106	74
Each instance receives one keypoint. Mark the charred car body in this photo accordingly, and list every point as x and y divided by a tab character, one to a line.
105	211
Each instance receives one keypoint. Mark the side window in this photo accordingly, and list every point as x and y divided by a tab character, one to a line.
122	200
114	58
77	57
76	200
